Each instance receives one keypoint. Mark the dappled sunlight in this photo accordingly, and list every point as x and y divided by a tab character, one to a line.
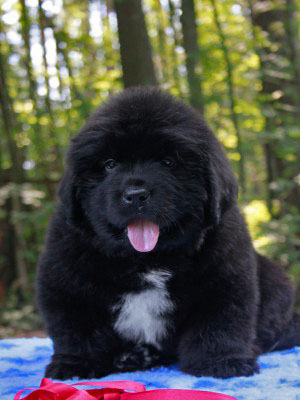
256	212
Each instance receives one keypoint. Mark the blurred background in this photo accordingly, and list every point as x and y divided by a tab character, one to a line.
236	62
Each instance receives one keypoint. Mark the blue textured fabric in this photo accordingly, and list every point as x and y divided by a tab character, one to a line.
22	362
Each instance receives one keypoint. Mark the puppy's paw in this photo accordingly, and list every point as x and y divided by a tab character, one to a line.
225	368
64	367
140	357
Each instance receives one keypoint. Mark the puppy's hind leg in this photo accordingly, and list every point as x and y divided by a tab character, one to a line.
218	338
209	351
290	337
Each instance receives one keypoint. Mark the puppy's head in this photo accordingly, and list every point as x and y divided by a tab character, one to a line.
146	174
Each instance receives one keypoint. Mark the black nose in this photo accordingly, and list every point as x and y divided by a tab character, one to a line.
136	196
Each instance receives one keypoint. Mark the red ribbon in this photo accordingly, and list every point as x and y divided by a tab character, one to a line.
49	390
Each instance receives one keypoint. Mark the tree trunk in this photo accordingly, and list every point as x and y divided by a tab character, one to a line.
292	31
192	53
55	145
163	49
231	95
280	89
110	59
8	124
25	24
17	176
135	48
177	43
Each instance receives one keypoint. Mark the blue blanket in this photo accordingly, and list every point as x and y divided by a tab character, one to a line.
22	362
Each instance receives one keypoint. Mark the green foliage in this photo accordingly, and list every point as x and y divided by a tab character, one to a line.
15	318
284	241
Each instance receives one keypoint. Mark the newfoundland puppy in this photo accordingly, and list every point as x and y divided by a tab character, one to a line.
148	260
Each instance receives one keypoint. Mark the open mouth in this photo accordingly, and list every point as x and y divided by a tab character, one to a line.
143	235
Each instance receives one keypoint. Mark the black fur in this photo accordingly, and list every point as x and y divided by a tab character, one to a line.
230	304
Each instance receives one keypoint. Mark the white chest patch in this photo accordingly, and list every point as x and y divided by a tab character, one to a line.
142	317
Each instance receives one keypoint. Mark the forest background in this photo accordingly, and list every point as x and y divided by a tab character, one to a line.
236	62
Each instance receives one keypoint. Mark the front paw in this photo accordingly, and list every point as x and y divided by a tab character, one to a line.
224	368
139	357
63	367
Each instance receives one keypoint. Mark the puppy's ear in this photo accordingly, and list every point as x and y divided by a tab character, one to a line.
222	185
67	193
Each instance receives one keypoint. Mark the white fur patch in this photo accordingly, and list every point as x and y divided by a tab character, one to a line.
158	278
142	316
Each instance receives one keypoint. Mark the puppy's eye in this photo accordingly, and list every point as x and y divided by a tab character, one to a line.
168	162
110	164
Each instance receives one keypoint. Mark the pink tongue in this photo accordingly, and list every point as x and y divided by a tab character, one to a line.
143	235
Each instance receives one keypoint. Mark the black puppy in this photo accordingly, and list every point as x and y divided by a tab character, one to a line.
148	260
